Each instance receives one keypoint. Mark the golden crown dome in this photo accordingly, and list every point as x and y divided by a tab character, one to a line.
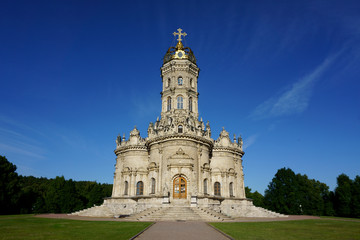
179	51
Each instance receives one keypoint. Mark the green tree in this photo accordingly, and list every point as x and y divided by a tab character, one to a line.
53	194
96	196
310	196
355	198
343	196
297	194
281	194
9	187
62	197
70	201
258	198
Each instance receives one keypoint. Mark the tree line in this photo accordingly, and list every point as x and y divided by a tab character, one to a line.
295	194
27	194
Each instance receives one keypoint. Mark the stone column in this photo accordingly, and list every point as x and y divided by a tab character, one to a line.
131	185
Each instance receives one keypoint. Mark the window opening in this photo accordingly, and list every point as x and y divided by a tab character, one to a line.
126	188
217	189
180	129
180	81
179	102
140	188
205	186
152	185
169	103
190	104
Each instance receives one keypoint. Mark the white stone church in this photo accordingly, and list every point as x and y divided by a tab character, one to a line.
178	171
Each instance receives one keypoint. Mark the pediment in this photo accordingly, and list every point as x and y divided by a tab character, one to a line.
180	154
180	158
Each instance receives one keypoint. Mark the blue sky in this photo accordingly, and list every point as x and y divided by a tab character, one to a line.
283	74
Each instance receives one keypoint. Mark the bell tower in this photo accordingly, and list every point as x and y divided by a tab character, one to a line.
179	74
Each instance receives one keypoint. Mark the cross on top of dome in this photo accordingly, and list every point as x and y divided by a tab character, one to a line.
179	33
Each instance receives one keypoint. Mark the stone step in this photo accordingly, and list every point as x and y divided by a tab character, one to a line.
137	216
213	213
176	213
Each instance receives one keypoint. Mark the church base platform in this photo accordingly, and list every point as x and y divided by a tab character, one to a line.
226	208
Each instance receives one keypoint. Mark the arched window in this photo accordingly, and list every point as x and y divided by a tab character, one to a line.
169	103
217	189
152	185
126	188
179	102
190	104
168	82
231	191
191	83
180	81
140	188
180	129
205	186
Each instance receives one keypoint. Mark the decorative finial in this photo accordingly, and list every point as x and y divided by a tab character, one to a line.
179	34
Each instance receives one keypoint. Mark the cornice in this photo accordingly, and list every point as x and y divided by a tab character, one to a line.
130	148
173	66
181	136
228	149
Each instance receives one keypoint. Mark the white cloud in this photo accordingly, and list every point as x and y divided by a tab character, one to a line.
20	150
250	141
296	99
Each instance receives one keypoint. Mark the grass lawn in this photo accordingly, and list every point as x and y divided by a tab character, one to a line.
303	229
30	227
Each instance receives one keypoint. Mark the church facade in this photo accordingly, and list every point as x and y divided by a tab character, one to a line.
179	163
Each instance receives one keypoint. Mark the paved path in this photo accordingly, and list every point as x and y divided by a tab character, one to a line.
181	231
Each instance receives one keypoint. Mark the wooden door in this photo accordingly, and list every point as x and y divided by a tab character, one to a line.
179	187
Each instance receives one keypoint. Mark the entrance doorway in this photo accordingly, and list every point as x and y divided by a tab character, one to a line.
179	188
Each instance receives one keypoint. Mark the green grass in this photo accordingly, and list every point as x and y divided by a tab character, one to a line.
289	230
30	227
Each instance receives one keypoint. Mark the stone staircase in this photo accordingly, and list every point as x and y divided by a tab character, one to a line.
211	214
142	215
95	211
178	213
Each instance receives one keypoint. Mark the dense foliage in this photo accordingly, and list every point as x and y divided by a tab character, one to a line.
20	194
258	199
9	186
291	193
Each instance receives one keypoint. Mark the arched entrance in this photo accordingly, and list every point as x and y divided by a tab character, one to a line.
179	187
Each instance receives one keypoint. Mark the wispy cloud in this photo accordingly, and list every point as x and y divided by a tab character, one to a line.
250	141
15	138
143	108
296	99
21	151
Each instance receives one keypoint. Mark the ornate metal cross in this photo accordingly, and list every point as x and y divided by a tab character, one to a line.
179	34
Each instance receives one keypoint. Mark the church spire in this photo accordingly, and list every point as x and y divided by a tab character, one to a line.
179	74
